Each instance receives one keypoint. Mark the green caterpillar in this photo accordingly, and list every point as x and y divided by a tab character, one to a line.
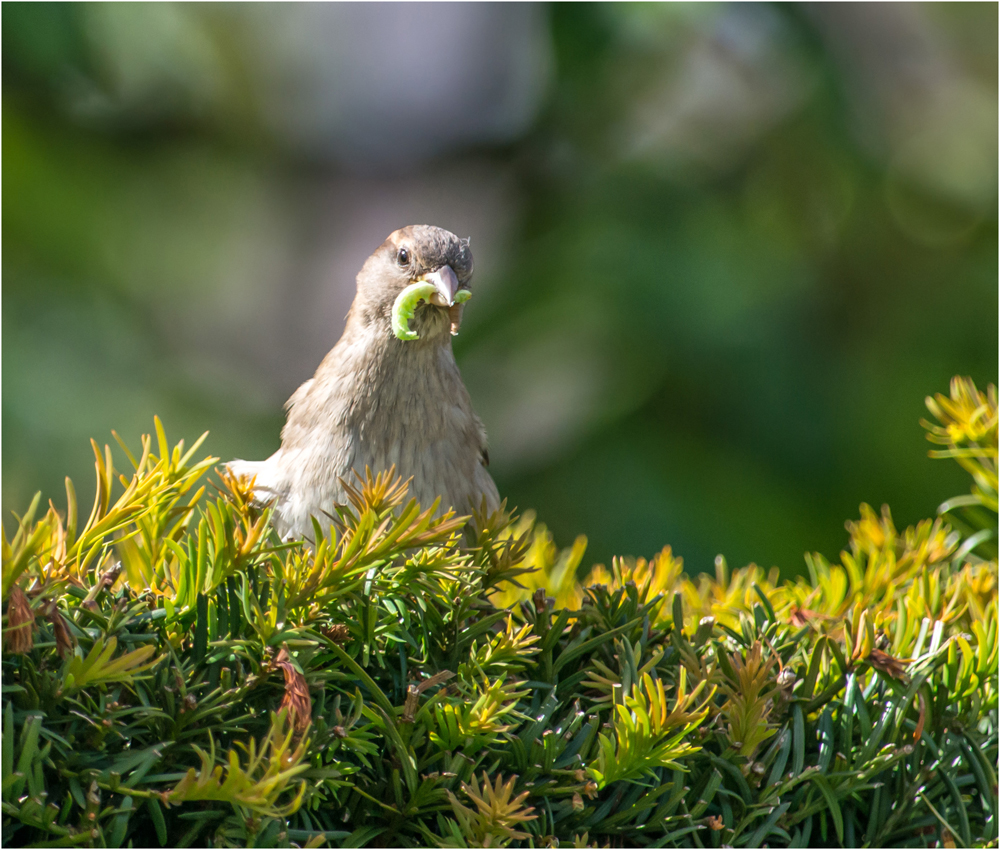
406	304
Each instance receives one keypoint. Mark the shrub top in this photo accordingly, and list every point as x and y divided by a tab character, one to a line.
174	673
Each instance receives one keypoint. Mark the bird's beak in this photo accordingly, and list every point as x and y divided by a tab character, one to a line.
446	284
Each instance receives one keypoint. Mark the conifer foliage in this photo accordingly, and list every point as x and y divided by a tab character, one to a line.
174	674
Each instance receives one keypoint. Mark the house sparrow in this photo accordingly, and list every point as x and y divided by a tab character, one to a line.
382	398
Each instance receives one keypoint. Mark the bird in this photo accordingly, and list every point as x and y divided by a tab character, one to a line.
379	402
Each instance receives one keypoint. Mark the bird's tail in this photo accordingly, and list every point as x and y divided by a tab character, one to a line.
260	472
245	468
267	489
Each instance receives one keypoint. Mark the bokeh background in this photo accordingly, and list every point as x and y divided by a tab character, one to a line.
723	251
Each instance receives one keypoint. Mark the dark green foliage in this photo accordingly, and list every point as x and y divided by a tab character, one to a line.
175	675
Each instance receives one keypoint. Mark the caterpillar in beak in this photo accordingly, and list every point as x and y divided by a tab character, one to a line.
406	303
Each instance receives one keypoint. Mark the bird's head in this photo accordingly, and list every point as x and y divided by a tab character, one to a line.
418	254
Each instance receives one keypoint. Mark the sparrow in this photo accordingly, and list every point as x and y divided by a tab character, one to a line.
379	401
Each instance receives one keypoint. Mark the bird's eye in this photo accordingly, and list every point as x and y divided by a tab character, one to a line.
403	257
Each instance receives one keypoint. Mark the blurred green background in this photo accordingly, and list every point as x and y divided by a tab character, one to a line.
723	251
